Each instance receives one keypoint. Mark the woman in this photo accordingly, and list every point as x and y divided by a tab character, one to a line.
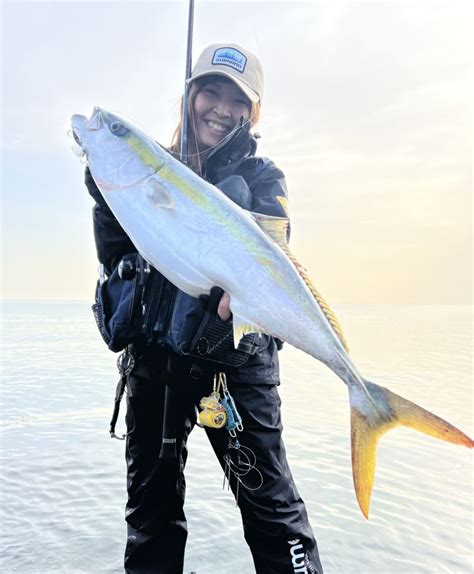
225	94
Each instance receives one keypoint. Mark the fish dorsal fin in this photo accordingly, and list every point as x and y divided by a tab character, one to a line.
276	228
320	300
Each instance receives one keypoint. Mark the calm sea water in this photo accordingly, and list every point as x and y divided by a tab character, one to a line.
62	480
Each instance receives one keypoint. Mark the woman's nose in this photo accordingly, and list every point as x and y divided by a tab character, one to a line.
223	109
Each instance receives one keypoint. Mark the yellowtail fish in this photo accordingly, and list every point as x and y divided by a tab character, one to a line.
198	238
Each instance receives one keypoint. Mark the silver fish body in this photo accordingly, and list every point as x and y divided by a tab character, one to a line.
198	238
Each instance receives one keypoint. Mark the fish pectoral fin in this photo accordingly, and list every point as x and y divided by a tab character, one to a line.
158	194
275	227
242	328
376	410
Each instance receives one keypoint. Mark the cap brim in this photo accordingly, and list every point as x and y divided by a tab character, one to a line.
251	95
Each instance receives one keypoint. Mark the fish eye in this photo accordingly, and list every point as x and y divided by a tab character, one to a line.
118	129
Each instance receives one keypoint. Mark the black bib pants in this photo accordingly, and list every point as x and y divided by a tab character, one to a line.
274	517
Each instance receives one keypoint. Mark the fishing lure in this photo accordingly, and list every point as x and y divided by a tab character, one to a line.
217	412
213	414
240	461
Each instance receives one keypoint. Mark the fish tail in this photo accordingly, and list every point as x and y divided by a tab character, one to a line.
369	424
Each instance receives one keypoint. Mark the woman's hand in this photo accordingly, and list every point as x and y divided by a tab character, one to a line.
223	309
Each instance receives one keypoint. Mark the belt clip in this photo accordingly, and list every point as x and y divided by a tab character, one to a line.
196	371
125	362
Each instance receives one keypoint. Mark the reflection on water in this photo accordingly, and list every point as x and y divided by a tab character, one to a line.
62	480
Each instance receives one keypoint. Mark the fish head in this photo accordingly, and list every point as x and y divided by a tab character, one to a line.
119	154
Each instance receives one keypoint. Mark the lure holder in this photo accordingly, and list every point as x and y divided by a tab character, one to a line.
218	412
234	420
125	365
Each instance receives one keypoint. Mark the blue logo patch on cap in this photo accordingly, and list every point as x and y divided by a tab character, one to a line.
230	57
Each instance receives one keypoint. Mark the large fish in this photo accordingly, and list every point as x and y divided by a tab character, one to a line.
198	238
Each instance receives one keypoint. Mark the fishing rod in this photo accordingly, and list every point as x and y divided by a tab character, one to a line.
183	151
168	441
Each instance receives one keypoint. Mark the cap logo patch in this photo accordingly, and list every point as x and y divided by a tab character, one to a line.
230	57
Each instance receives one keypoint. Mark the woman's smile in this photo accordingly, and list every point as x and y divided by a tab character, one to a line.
218	127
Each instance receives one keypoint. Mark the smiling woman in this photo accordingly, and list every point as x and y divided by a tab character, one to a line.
218	100
186	343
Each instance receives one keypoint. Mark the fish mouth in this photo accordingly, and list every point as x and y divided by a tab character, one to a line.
77	127
80	124
76	138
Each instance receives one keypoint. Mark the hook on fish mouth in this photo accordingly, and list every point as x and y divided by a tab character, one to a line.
73	134
78	122
76	143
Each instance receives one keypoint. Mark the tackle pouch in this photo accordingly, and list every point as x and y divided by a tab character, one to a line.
119	309
214	341
197	331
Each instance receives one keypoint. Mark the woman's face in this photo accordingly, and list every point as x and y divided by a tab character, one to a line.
218	107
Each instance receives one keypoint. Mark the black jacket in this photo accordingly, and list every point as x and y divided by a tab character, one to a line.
251	182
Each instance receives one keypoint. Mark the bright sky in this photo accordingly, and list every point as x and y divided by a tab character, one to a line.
367	110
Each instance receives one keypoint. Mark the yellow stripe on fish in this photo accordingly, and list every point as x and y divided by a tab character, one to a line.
147	155
206	203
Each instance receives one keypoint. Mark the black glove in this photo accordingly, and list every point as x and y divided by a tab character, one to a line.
211	302
94	191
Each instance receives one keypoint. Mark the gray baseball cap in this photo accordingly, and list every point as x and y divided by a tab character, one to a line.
235	63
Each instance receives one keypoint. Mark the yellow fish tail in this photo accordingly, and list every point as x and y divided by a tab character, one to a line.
372	417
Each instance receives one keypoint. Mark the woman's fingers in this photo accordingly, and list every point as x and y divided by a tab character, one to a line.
223	310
